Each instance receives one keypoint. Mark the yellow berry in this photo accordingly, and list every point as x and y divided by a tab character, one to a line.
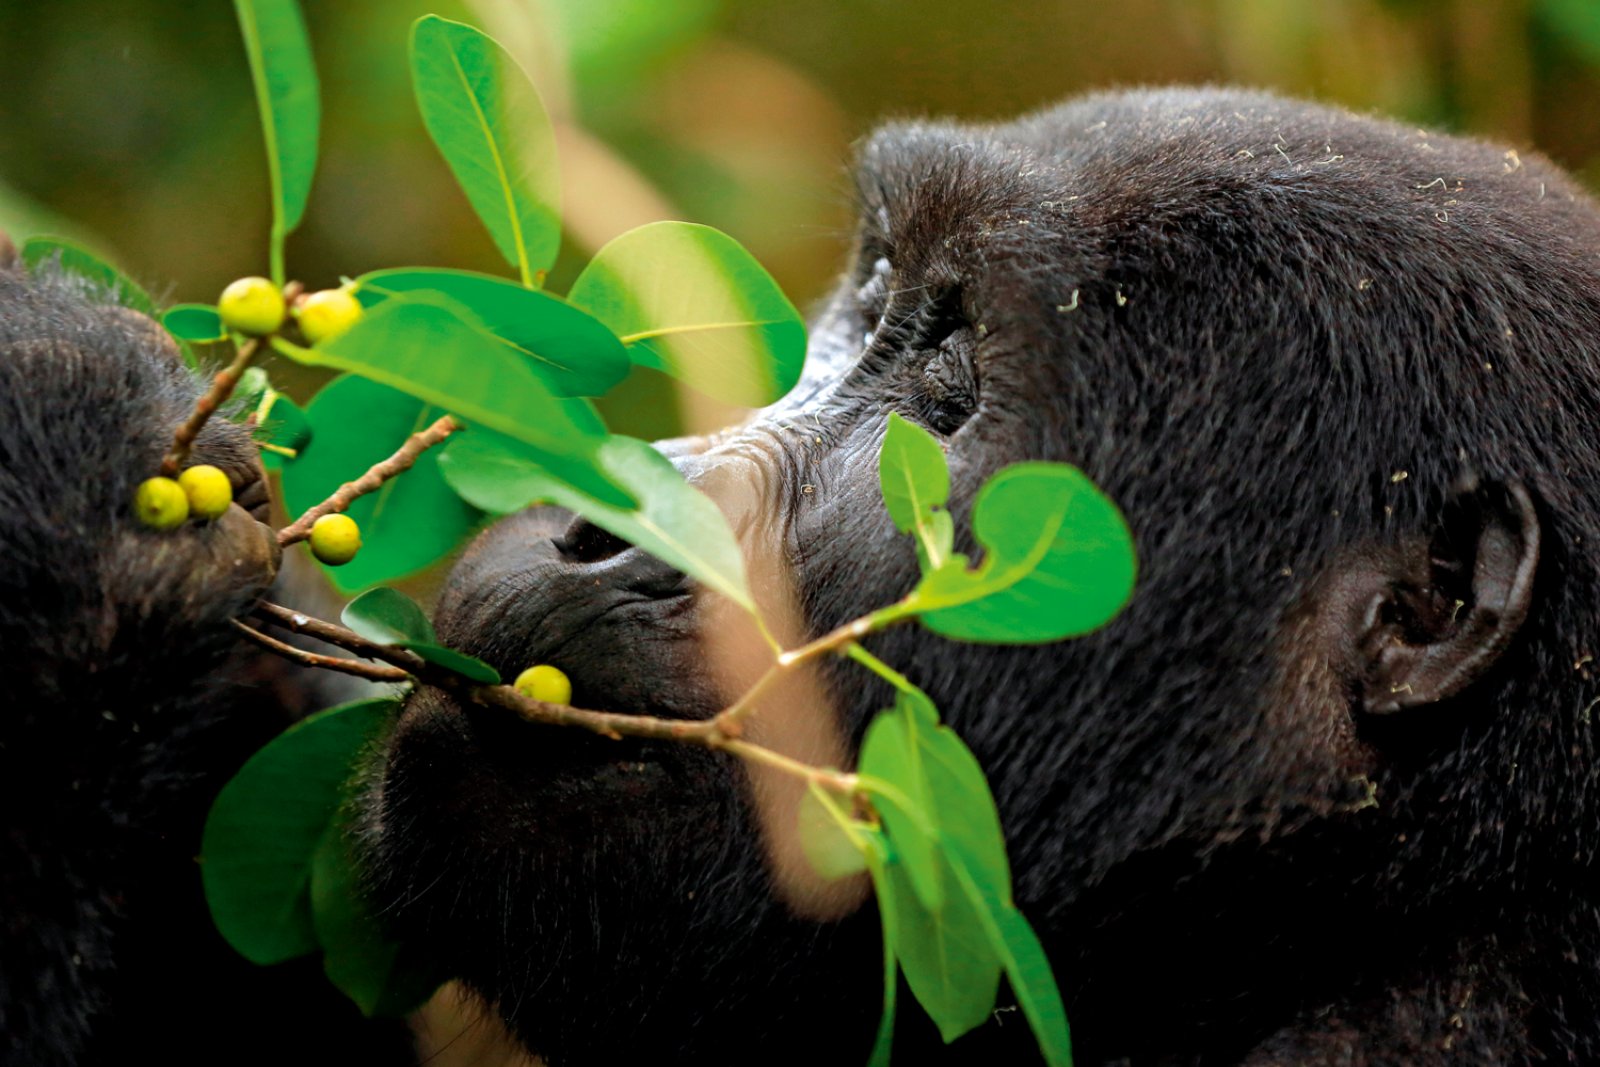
325	315
545	683
251	305
208	490
335	539
161	503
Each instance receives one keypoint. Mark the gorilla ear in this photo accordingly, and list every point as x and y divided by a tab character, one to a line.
1456	602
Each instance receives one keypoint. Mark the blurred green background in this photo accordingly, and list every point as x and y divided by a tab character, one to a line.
130	123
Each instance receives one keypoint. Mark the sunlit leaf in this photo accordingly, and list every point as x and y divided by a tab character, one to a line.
389	617
1028	970
690	301
1059	562
269	821
570	351
946	955
433	349
287	100
828	835
195	322
915	482
674	522
415	519
493	131
892	753
381	976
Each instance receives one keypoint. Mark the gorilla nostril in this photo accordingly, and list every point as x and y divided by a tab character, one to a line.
584	542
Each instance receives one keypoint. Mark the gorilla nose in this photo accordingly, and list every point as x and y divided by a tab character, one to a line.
584	542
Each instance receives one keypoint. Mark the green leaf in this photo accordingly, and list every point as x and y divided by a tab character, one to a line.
570	351
269	821
76	259
381	976
915	482
690	301
1028	970
195	322
388	617
946	955
285	79
674	522
280	422
493	131
829	836
892	753
877	855
415	519
433	349
1059	562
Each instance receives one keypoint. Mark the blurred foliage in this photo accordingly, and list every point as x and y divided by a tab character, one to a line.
130	124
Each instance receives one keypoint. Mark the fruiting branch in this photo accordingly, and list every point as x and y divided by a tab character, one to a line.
708	733
222	387
376	475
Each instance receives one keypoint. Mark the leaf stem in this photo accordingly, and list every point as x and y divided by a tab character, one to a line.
371	671
379	473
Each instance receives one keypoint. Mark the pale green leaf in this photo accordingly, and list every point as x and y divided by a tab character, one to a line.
493	131
690	301
674	522
915	481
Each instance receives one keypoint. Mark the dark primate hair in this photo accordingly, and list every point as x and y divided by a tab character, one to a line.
1325	792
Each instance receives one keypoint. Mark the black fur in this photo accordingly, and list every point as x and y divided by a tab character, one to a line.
128	704
1280	336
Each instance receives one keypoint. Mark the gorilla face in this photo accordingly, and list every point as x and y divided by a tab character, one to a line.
1339	376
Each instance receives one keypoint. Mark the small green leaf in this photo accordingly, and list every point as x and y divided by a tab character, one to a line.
388	617
433	349
381	976
195	322
269	821
1059	562
285	78
674	522
1028	970
493	131
829	836
415	519
913	476
690	301
892	753
568	349
280	422
76	259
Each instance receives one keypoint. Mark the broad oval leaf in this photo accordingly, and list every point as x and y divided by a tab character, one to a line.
1058	562
690	301
388	617
287	99
674	522
568	349
415	519
383	977
268	822
195	322
493	131
433	349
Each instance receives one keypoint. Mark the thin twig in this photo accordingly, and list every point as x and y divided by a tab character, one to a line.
374	672
221	388
730	721
376	475
332	633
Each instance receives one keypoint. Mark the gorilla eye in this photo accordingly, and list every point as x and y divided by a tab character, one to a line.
947	394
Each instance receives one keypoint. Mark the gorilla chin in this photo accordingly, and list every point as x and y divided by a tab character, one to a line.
1324	793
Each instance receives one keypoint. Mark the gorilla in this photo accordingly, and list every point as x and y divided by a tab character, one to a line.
1325	793
129	704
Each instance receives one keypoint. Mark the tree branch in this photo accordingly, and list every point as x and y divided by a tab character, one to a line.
221	388
376	475
374	672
